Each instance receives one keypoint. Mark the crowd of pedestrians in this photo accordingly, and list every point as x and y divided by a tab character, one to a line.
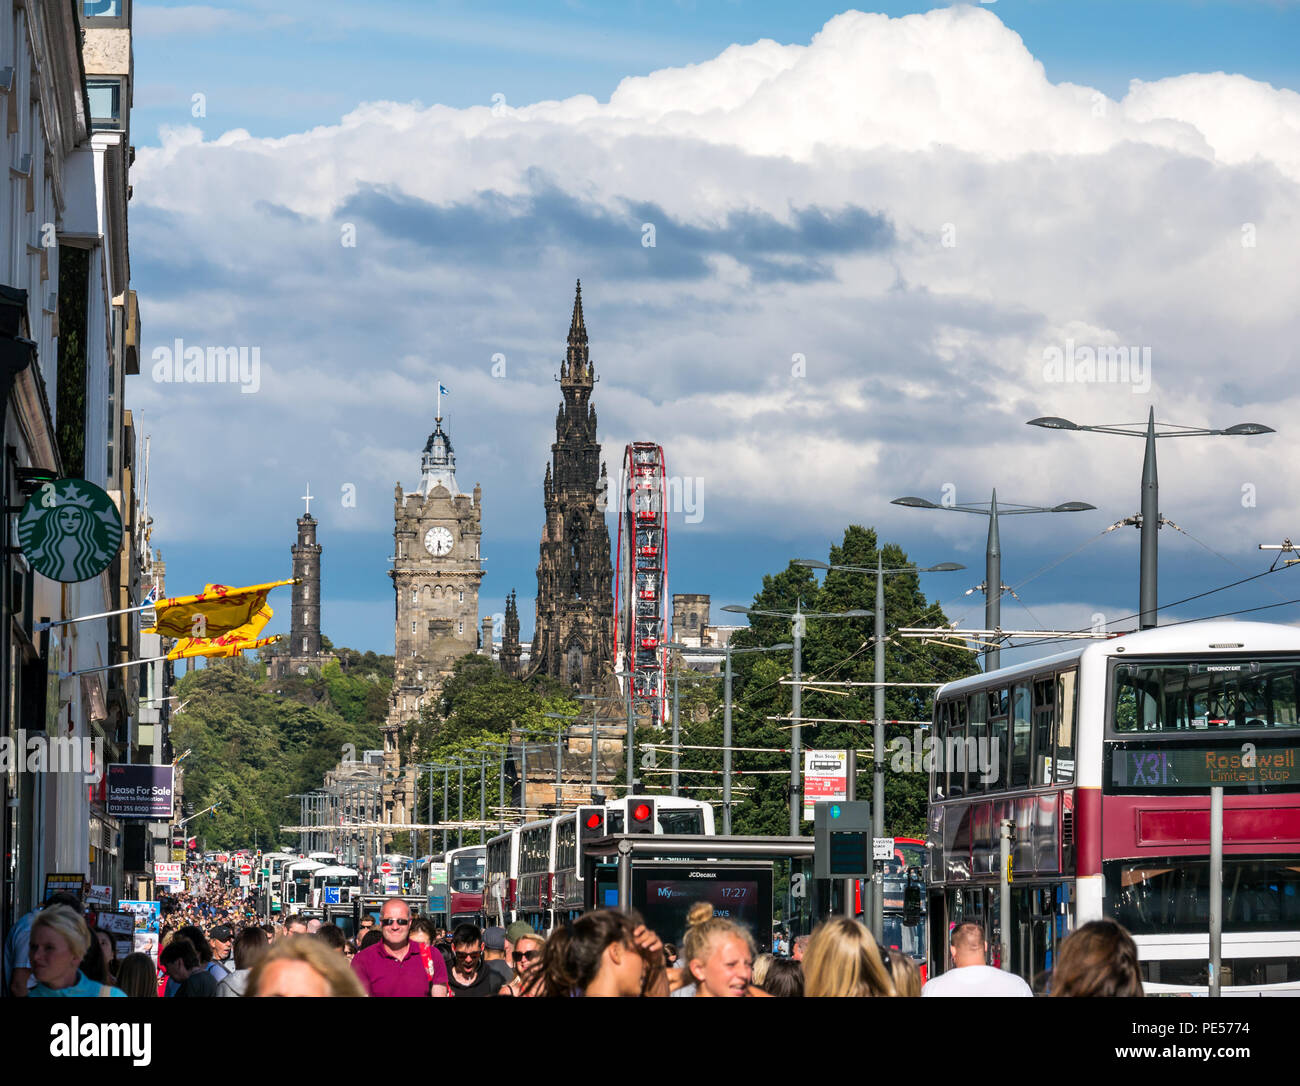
216	945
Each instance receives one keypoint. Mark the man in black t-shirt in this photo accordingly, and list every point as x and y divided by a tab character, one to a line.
469	974
494	954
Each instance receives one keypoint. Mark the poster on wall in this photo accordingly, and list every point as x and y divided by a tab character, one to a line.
148	914
73	883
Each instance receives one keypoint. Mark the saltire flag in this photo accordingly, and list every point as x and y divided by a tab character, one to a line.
233	643
443	390
222	610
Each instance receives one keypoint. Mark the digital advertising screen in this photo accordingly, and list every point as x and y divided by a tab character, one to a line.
664	893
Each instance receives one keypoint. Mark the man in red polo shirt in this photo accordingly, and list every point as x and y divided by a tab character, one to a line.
393	966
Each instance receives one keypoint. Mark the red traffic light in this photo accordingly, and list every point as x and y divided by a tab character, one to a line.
641	812
594	821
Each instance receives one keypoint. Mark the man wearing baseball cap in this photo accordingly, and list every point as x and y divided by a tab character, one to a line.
494	954
222	938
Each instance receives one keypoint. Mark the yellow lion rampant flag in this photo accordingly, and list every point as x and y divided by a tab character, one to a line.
230	644
214	612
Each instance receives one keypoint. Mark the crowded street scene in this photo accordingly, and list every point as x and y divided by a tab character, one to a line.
476	484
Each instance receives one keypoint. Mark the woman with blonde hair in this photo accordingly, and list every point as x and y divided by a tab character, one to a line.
59	942
528	953
843	960
719	956
303	965
906	976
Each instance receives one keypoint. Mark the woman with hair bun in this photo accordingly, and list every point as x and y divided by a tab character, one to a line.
719	956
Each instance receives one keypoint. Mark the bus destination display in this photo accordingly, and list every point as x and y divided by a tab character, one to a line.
1242	765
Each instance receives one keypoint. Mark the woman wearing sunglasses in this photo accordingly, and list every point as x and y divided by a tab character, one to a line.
527	961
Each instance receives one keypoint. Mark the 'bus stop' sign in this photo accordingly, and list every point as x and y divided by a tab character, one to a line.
70	530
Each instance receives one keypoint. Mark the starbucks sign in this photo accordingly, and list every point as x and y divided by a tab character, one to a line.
70	530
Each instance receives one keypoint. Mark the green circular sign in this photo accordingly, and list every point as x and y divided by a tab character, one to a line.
70	530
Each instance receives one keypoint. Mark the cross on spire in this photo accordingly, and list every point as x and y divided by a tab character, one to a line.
307	498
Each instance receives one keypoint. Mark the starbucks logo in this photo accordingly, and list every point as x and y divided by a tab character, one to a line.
70	530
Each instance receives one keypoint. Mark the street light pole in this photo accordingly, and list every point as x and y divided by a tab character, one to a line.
993	555
796	711
676	729
878	754
631	732
1148	558
726	746
1149	518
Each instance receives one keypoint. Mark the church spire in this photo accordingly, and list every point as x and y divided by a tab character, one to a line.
577	363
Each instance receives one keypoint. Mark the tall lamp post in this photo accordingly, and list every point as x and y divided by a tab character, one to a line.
798	620
993	553
1149	519
595	742
878	740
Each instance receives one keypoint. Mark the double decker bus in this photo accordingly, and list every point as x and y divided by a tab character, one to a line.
665	815
536	877
451	883
1103	757
534	871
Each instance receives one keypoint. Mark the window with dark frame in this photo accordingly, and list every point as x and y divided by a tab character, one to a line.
1044	737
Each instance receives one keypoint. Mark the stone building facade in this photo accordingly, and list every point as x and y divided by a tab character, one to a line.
436	574
574	638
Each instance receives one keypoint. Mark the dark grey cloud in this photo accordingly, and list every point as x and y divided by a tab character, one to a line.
521	228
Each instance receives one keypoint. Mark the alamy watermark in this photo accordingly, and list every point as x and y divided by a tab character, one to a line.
208	365
953	754
681	494
43	753
1085	365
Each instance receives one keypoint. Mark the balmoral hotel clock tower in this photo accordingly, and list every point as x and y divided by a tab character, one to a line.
436	573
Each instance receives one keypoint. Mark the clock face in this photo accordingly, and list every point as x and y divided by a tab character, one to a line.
437	541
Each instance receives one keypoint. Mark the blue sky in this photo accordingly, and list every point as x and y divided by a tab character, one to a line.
800	211
326	57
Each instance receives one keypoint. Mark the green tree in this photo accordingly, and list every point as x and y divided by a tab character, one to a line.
838	650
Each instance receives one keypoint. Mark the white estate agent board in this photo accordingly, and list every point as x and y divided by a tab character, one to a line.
825	778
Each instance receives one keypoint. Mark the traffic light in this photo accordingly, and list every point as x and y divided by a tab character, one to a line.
641	816
591	827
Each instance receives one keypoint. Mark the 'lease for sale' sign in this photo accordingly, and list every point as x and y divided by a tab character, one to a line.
141	791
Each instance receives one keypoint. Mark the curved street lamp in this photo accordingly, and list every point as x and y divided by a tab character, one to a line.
993	586
1149	519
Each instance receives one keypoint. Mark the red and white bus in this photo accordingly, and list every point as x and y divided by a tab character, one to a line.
1104	757
534	870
